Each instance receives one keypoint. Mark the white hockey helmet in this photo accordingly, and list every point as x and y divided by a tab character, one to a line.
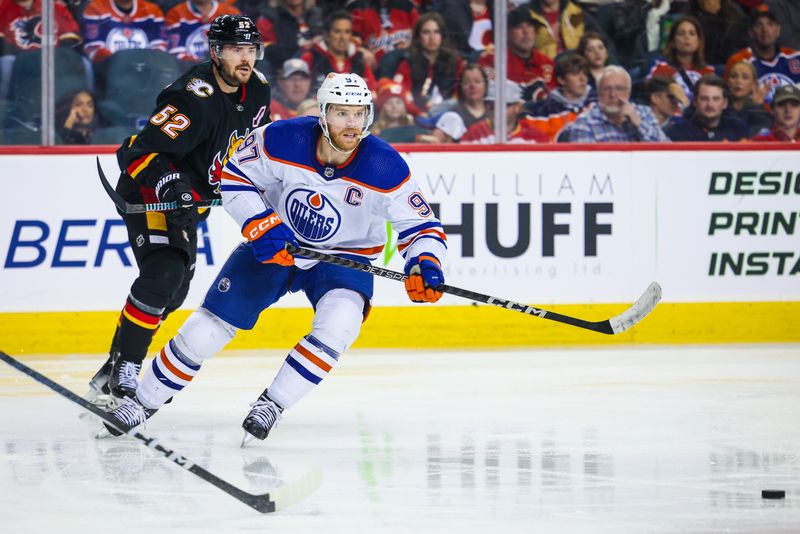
349	90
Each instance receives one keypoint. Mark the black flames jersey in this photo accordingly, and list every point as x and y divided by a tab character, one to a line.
194	129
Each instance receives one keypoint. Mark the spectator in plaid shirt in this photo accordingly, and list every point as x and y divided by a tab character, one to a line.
615	119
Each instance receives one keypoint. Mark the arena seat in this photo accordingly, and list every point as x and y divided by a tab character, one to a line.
25	85
133	80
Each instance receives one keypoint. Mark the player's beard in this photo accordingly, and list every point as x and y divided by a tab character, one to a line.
235	75
346	140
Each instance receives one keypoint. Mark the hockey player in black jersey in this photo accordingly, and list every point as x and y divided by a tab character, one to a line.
178	157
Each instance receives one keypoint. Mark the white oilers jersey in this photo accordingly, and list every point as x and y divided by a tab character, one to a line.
335	209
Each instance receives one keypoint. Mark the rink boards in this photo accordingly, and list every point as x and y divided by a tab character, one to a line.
580	232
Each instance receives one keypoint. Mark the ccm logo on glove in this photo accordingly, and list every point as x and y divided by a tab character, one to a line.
259	227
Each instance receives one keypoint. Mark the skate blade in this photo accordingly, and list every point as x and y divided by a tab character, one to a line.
247	438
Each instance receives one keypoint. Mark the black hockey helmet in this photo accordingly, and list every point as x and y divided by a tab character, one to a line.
233	29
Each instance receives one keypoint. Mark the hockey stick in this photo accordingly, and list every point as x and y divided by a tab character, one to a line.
277	499
615	325
126	207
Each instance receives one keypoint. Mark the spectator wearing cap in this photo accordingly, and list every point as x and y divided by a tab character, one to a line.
394	123
294	86
482	132
786	110
337	53
560	25
775	65
525	65
563	105
707	120
665	98
788	12
615	119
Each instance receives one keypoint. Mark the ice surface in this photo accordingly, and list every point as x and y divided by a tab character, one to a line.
661	439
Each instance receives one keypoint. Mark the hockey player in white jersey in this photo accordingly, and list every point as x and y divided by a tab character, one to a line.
324	184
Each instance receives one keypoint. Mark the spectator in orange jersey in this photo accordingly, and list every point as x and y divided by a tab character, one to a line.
383	25
432	70
563	105
187	26
786	109
294	85
337	53
113	25
21	26
684	55
526	66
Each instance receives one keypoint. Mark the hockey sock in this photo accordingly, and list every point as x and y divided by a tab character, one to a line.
169	373
305	367
138	325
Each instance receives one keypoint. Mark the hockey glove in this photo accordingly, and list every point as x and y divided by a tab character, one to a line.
172	187
268	235
424	276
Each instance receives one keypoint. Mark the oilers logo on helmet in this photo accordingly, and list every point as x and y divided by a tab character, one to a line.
312	215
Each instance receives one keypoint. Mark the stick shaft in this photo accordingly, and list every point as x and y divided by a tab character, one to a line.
602	326
126	207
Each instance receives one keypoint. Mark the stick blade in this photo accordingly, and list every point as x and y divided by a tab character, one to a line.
638	311
289	494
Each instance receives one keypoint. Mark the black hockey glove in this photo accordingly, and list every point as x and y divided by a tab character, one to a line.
172	187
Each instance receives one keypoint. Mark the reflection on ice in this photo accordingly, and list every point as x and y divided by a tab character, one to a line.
658	440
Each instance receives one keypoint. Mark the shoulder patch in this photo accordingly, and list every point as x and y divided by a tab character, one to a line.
199	87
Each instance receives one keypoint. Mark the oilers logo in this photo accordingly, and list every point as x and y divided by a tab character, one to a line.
312	215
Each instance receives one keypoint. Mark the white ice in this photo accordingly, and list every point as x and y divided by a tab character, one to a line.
658	439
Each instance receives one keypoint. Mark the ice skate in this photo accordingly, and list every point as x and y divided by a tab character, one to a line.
264	413
99	393
129	414
124	379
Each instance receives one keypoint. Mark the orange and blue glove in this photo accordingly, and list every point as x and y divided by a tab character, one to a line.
268	235
424	276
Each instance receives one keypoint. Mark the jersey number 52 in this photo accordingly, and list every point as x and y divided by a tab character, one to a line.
171	122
